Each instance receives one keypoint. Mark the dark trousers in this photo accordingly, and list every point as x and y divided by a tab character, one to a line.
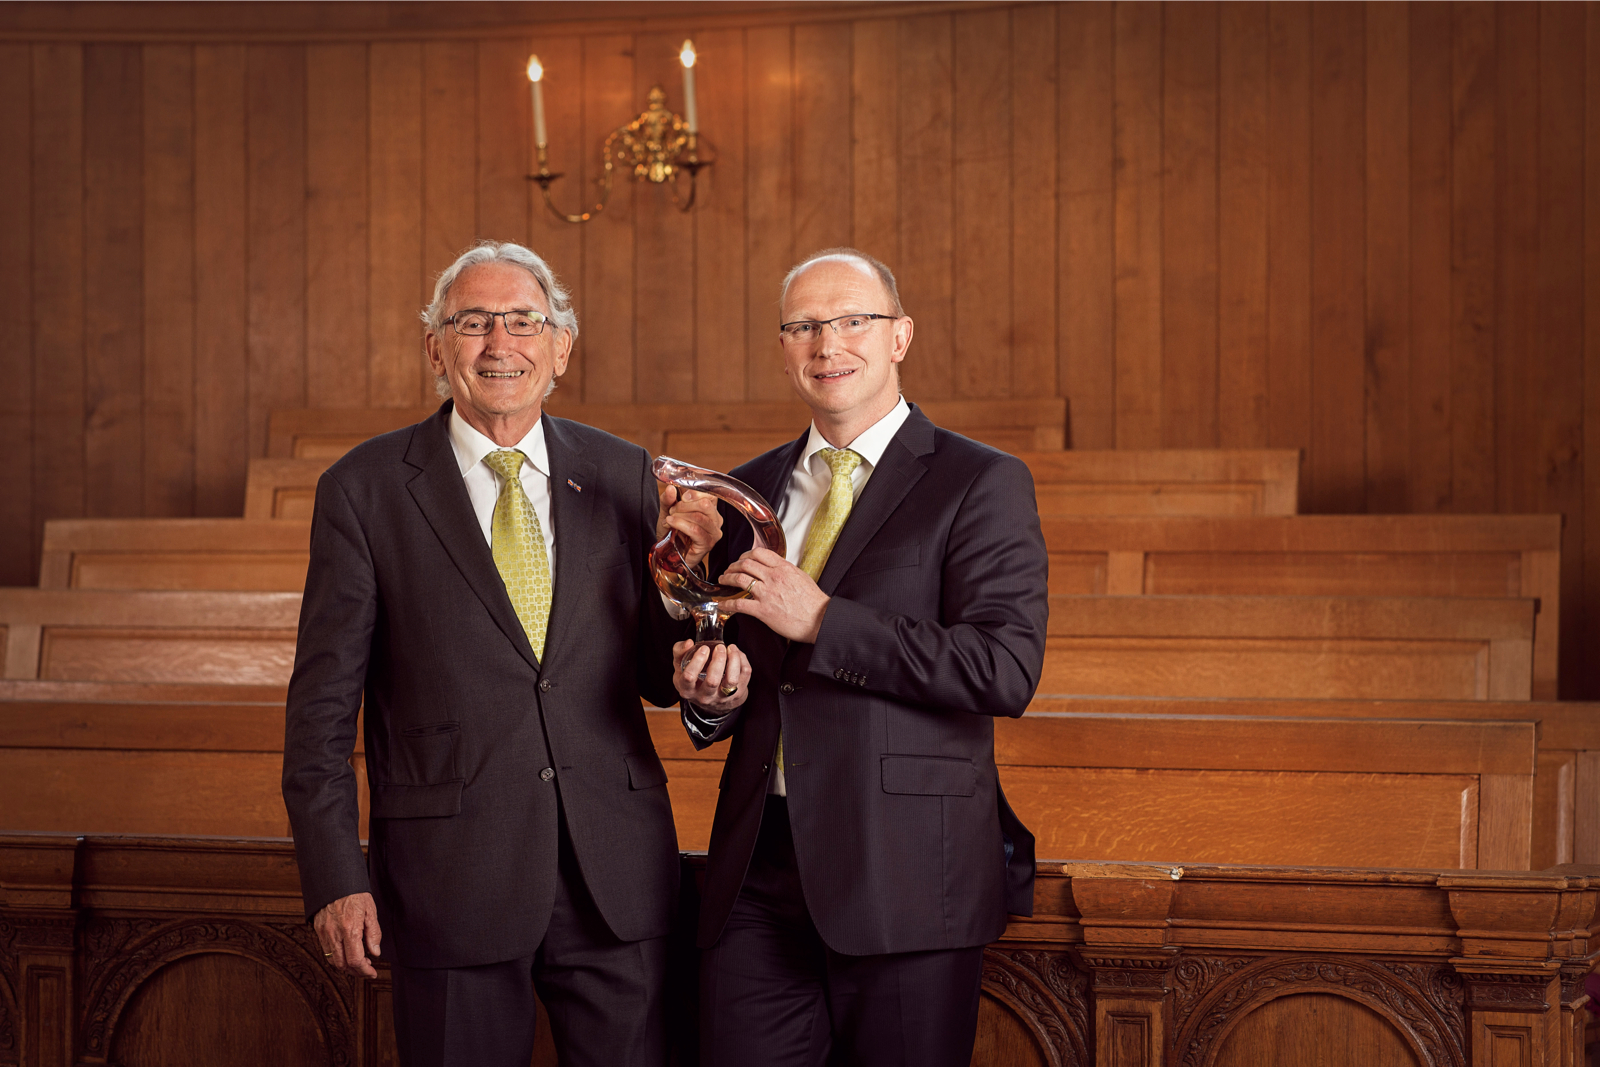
604	996
772	994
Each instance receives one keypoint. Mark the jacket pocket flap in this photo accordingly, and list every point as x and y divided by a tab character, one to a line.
417	801
932	776
883	559
645	771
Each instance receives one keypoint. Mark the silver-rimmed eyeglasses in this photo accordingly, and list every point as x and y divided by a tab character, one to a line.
521	323
809	331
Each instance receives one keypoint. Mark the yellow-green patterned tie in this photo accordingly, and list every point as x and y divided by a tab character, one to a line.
826	524
518	546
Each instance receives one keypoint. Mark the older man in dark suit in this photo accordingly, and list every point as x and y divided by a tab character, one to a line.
478	580
862	852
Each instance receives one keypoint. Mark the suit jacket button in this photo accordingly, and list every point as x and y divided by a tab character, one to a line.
785	688
544	685
547	774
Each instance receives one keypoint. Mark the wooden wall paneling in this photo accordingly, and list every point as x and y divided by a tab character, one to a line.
1586	619
1554	467
504	145
168	280
1474	163
58	283
1035	125
608	241
336	224
1554	785
561	243
875	133
1387	236
719	303
664	246
1335	476
395	257
1428	385
1136	58
821	124
1242	197
1505	820
796	175
1087	305
1189	219
275	145
16	359
982	287
1289	230
926	261
113	177
450	139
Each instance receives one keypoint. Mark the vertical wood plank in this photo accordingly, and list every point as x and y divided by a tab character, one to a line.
1388	265
781	158
821	123
336	225
1289	231
561	243
1584	676
395	276
449	163
58	285
925	262
169	307
1242	197
720	301
1517	275
875	129
1087	236
664	271
16	359
1428	467
982	206
276	151
1034	127
1189	293
221	394
1338	207
608	242
1137	60
1473	167
505	139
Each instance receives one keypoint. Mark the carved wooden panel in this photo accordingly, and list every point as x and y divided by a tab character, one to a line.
1045	995
1315	1030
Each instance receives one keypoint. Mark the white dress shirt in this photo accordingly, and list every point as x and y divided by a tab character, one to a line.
483	484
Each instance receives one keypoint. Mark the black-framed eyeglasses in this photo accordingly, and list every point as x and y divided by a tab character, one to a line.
808	331
522	323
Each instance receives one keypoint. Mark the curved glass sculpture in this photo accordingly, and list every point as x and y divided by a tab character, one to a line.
688	587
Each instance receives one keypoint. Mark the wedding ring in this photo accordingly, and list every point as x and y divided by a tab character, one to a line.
727	690
327	953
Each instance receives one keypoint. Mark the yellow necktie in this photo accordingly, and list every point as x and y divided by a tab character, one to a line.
826	524
517	543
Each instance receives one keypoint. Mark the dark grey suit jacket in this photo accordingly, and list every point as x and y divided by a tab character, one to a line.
937	623
404	608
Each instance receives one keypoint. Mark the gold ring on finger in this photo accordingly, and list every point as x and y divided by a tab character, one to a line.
727	690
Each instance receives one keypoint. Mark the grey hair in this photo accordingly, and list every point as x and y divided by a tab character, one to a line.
881	269
561	314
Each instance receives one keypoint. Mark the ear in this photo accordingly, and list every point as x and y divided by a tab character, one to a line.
563	353
903	329
435	349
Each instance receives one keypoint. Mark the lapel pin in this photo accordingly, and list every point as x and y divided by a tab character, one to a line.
575	485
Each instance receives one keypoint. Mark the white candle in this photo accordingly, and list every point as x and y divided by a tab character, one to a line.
687	57
536	75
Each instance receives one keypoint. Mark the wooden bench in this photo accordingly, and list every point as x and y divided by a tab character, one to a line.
224	554
93	635
724	434
1190	482
1322	555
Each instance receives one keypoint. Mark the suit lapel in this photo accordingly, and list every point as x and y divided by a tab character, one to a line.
572	512
441	495
899	469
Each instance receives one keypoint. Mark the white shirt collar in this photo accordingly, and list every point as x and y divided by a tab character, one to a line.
869	443
471	446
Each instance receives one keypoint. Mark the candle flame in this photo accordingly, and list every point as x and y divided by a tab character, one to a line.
535	69
686	54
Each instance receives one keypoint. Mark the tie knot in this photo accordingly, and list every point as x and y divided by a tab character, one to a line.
507	463
841	461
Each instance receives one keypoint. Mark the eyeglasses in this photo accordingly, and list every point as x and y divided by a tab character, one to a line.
518	323
809	331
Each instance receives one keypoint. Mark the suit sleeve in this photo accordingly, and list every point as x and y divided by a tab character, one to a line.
657	629
337	616
985	652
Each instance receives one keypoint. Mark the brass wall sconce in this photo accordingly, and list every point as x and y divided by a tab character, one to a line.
655	147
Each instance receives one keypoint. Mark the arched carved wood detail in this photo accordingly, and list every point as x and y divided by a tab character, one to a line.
125	953
1423	1003
1049	995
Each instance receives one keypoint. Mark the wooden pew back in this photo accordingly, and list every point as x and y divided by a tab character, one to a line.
222	554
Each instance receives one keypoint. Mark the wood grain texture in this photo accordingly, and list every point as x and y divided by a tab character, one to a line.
1386	385
718	297
337	112
1243	187
1289	233
663	237
1137	61
981	341
929	259
395	271
874	129
17	545
797	187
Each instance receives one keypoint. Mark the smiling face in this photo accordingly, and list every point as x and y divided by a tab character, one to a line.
848	383
498	381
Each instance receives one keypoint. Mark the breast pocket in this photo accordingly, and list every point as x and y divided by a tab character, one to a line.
885	559
610	557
